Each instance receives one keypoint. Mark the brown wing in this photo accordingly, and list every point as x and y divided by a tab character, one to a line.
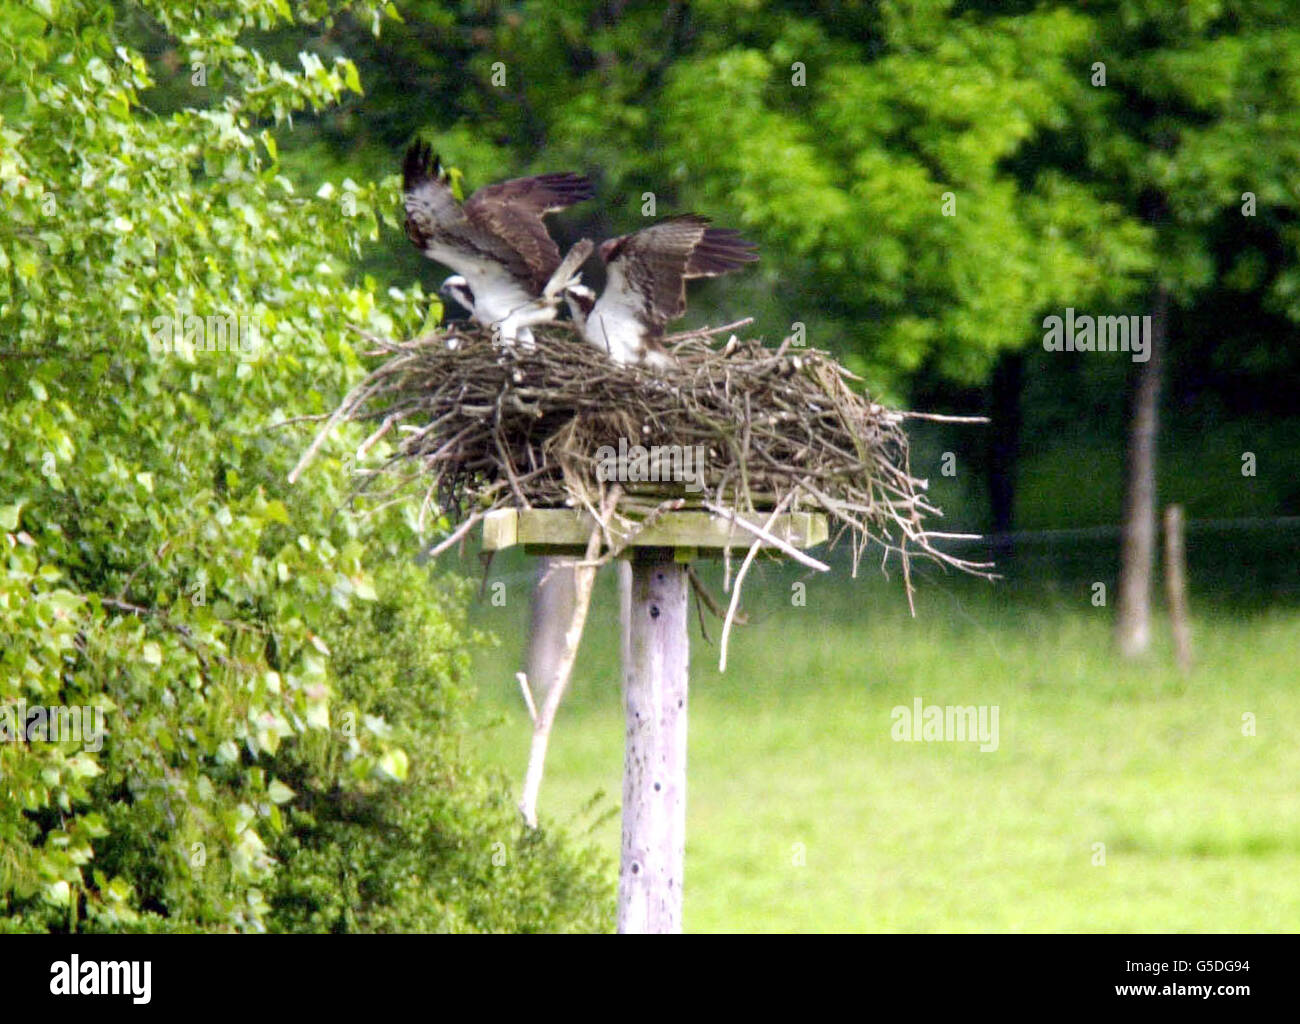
436	223
512	211
653	264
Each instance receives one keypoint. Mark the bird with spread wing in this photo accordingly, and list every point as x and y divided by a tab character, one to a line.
509	274
646	285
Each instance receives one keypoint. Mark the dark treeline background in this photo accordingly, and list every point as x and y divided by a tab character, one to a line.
1087	157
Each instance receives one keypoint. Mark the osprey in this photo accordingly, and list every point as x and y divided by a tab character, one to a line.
508	269
646	285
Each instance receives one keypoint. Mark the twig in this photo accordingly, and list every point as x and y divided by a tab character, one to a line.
335	417
707	332
740	578
940	418
455	535
766	535
708	601
583	579
522	677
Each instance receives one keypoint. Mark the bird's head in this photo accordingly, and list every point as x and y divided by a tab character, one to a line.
457	288
611	247
581	300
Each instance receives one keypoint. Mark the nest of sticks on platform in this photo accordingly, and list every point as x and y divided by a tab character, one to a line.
735	428
742	431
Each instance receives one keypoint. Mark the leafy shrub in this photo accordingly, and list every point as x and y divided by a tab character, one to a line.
281	690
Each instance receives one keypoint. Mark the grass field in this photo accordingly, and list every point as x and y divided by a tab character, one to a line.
805	815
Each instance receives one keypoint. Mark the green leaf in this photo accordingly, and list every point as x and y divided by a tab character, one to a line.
279	792
393	765
350	77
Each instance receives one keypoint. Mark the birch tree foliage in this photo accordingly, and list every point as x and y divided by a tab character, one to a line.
157	566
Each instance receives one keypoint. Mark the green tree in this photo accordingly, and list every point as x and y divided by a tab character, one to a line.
1194	133
886	156
281	689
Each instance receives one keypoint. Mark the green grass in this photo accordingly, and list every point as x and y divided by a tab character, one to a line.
804	814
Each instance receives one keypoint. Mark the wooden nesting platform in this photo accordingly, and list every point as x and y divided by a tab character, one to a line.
693	533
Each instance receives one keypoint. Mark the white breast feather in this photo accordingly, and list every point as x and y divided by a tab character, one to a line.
614	325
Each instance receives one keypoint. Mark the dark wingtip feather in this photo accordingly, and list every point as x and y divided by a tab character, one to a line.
421	164
415	165
568	186
726	238
713	266
721	250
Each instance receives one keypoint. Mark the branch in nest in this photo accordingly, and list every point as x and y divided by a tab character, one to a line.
476	427
544	719
704	599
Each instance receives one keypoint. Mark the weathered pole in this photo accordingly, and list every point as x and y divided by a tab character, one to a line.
1138	530
655	670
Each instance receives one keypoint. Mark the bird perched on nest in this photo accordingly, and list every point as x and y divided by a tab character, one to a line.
646	285
509	274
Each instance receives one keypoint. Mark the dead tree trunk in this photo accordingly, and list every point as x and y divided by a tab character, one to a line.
654	772
1138	538
552	611
584	579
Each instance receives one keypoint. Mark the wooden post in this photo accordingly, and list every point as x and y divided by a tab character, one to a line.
1176	585
653	590
655	673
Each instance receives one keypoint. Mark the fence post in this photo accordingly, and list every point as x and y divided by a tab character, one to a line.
1176	585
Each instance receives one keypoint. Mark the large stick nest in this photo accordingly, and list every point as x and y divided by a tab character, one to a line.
477	427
